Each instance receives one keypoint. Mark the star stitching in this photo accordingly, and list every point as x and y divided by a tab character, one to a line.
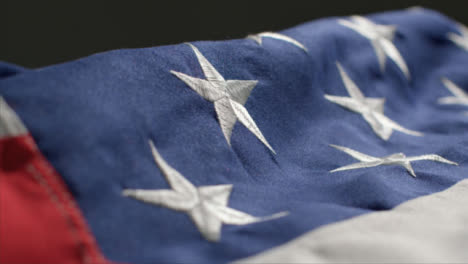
228	96
459	97
206	205
372	109
461	39
258	38
381	37
399	159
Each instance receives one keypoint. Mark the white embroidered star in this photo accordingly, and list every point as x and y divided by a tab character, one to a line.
381	37
370	108
258	38
399	159
206	205
462	39
228	96
460	97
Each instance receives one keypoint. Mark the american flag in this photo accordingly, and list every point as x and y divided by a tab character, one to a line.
338	140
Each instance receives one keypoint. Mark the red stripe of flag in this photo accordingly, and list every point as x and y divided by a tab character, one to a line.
39	220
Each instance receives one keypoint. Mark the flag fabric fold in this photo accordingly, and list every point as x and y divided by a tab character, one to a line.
245	150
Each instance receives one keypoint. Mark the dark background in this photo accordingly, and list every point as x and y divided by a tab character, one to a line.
39	33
